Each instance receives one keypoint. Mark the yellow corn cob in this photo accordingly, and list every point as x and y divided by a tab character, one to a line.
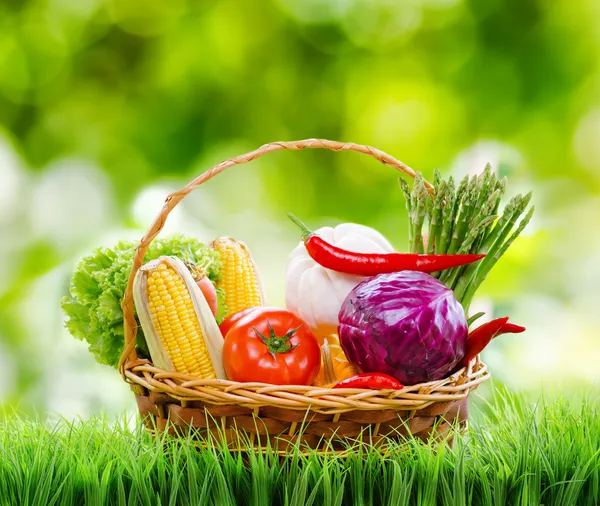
239	280
180	330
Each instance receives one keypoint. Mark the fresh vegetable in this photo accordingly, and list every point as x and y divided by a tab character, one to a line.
181	332
240	280
326	377
371	380
232	320
464	220
334	364
405	324
370	264
342	368
479	338
271	345
315	293
511	328
210	293
93	306
206	286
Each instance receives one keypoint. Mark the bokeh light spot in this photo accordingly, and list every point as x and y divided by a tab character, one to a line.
586	142
70	202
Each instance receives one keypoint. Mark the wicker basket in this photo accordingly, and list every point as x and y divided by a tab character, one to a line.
279	415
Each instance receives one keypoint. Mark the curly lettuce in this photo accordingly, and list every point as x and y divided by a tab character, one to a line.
93	306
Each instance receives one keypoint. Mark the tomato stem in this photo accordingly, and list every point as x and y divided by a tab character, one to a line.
277	344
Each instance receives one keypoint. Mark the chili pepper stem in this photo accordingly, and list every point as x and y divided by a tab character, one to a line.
305	230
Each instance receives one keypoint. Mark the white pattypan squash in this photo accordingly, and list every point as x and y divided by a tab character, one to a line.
315	294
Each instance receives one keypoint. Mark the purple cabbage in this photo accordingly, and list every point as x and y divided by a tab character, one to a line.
406	324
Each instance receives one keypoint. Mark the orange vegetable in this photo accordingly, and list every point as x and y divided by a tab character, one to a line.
334	364
206	286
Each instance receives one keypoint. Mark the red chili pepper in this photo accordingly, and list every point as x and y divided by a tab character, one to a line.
479	338
372	380
511	328
371	264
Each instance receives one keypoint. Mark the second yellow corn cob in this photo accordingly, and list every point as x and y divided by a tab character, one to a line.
239	281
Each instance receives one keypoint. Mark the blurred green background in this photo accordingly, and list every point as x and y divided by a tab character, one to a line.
107	105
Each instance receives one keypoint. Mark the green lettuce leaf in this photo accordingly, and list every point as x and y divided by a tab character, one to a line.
93	306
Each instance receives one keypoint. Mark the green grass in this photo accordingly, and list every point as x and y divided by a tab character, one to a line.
516	453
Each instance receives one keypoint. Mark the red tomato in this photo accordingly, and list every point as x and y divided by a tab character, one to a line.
271	345
231	320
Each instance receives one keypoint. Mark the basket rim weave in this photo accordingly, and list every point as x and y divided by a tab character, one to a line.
301	397
143	375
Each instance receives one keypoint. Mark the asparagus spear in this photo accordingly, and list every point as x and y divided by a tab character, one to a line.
500	187
486	184
492	244
466	228
497	251
465	217
488	195
443	198
429	209
437	179
474	233
486	241
436	217
420	195
524	222
497	187
491	209
510	214
447	221
460	193
463	283
469	228
407	199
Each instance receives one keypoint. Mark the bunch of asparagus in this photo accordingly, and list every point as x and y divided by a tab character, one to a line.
464	220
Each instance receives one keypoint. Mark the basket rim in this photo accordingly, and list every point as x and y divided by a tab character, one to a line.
218	392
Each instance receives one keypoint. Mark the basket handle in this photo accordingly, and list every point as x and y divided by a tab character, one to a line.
130	325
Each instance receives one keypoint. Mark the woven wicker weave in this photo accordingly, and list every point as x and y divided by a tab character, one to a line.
316	417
